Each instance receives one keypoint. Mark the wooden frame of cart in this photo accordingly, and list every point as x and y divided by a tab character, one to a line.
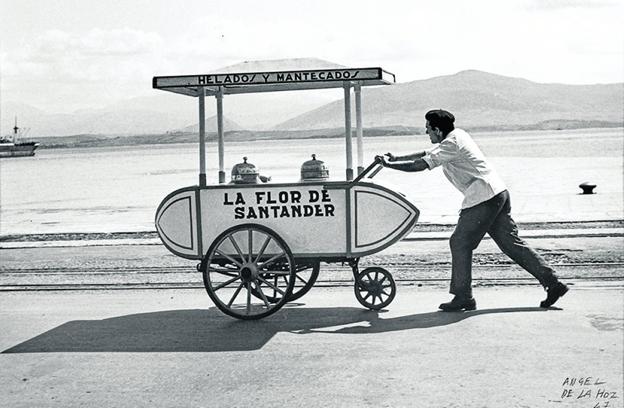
260	245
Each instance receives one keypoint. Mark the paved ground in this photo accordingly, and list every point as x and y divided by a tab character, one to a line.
164	348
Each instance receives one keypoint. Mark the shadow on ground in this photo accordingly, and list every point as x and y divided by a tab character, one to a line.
211	331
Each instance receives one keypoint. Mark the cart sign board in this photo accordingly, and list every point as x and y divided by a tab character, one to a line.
309	218
336	75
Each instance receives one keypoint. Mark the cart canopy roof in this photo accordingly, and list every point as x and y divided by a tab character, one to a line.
273	75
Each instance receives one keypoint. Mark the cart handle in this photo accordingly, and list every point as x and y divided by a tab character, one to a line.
376	163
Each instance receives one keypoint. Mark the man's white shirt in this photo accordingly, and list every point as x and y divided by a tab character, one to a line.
466	168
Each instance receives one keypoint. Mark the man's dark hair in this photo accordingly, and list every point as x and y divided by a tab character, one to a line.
442	120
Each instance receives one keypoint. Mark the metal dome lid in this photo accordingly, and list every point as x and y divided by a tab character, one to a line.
244	172
314	169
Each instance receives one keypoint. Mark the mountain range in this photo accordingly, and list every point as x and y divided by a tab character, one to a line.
478	100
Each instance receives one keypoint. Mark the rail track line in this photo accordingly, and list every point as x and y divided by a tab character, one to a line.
187	277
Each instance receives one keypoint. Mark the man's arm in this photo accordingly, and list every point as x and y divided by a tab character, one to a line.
410	166
407	157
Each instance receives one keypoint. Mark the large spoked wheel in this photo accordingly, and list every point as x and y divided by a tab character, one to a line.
375	288
244	260
305	277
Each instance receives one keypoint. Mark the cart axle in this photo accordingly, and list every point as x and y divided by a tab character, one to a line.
249	273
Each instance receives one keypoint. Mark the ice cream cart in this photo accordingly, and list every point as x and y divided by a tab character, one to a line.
260	245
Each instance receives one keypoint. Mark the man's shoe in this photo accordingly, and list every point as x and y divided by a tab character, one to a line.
553	293
458	304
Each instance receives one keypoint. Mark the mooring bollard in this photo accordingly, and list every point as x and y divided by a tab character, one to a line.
587	188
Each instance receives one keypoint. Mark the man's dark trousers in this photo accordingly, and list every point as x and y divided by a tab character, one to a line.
492	216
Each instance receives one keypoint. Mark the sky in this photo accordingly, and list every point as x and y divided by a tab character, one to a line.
65	55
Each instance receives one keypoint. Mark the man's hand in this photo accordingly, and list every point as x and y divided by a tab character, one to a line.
381	160
391	157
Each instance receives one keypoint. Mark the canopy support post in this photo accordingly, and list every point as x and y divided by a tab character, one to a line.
347	105
202	137
358	126
219	97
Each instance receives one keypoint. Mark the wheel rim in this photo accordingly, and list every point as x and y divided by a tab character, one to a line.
249	260
305	278
375	288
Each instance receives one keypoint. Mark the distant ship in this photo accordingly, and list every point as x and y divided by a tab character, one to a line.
10	146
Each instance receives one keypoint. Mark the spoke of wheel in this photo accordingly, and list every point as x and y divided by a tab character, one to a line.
262	248
305	282
234	261
235	294
271	260
385	293
387	286
367	296
224	284
248	297
275	288
275	283
250	245
264	298
277	273
240	253
224	271
376	275
382	279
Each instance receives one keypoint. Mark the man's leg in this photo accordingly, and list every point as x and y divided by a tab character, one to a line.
472	225
504	232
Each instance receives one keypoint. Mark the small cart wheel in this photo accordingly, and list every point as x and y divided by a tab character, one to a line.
375	288
247	260
305	277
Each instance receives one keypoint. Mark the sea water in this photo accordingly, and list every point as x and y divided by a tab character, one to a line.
113	189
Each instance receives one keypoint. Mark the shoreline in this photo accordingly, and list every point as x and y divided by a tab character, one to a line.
128	140
418	229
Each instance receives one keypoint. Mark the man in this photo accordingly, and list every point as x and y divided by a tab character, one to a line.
485	209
